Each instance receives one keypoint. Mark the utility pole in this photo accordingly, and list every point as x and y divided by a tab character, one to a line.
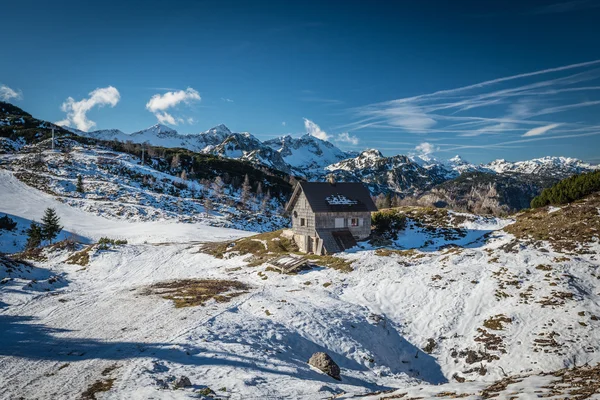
52	139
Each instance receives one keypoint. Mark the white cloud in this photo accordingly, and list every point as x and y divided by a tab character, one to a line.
77	110
426	148
314	130
7	93
160	103
226	100
347	138
540	130
283	123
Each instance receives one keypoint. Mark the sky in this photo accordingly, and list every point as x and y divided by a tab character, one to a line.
484	79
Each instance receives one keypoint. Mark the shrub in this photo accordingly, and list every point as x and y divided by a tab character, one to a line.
7	223
388	222
568	190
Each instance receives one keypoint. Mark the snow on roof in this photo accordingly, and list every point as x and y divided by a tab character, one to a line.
340	199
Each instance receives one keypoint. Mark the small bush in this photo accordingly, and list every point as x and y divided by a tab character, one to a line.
7	223
104	243
388	222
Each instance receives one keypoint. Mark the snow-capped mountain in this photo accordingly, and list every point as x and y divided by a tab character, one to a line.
398	173
307	155
559	167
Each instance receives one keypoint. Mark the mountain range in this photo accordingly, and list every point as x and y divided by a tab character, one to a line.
497	187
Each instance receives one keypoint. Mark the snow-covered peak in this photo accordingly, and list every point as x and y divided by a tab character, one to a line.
458	160
307	154
551	166
158	130
220	129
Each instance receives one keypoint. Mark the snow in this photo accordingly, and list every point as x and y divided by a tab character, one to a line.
26	204
62	325
340	199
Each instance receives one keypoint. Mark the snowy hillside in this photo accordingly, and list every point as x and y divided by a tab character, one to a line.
118	187
454	304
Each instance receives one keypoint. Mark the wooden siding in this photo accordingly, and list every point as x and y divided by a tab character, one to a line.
326	221
302	210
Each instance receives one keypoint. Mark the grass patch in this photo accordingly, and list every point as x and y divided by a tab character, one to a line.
81	257
569	230
97	387
266	246
496	322
196	292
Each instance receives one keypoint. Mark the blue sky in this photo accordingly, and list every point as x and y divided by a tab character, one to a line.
512	80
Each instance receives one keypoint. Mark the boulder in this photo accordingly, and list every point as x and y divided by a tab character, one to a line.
182	382
323	362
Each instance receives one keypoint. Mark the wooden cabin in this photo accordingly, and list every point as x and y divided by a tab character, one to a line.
330	217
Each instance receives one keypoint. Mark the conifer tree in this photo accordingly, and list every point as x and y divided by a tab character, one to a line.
50	225
79	188
34	236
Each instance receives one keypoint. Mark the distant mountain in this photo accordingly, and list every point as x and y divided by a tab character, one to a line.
556	167
500	185
307	155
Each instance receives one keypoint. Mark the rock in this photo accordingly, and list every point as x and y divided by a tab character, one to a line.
323	362
183	381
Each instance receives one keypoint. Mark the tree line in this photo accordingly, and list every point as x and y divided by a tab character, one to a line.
568	190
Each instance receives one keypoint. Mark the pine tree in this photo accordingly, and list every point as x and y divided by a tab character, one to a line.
79	188
34	236
50	225
183	175
245	193
217	187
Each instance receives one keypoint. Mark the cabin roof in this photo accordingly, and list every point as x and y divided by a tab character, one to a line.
333	197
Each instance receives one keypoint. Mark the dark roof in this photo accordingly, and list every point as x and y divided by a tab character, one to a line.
336	197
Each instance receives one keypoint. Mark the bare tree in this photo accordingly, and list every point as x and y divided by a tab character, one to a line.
245	191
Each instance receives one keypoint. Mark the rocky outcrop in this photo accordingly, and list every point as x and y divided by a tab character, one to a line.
323	362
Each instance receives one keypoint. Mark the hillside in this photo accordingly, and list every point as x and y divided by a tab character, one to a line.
457	303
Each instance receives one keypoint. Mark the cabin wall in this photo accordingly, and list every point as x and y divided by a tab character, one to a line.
326	222
302	210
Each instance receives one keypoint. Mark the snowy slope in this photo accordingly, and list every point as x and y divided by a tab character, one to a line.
117	186
375	321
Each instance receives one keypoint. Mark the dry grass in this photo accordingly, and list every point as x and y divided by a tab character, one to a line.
568	230
97	387
266	246
196	292
81	257
496	322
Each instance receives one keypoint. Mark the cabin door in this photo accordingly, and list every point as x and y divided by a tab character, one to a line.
311	244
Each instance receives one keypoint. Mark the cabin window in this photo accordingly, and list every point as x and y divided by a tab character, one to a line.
339	222
353	221
302	222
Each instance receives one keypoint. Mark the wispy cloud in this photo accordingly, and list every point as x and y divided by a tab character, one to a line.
77	110
283	123
7	93
160	103
515	105
314	130
540	130
345	137
322	100
226	100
